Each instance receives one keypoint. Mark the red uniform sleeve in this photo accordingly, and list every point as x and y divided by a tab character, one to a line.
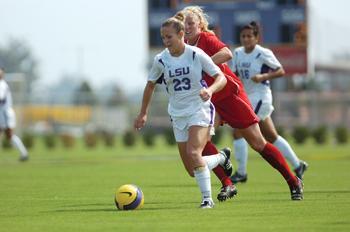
210	43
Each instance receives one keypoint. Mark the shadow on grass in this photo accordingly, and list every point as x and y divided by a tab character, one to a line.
150	206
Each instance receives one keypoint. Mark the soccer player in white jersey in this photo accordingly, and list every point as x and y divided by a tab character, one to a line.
256	66
8	117
179	67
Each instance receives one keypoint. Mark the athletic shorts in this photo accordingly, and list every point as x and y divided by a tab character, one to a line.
262	105
203	118
7	119
236	112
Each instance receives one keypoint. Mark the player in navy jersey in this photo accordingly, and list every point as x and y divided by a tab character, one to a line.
179	67
8	117
231	103
256	66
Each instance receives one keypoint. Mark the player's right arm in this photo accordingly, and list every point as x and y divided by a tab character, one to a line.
154	76
141	119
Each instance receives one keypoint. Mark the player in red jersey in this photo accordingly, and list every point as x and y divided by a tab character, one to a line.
231	103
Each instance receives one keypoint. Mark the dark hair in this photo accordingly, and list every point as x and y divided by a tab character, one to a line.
252	26
174	22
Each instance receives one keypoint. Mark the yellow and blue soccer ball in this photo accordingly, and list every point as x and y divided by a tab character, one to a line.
129	197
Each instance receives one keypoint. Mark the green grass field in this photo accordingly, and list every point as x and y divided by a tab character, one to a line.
73	190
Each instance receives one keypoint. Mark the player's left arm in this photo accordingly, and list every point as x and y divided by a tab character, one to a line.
276	68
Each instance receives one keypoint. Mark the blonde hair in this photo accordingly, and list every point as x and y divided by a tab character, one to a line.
175	23
180	16
198	11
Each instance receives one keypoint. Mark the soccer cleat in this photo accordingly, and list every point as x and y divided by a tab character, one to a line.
207	204
227	166
299	172
236	177
297	192
227	192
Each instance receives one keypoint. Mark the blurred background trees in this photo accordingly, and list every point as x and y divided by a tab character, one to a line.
17	56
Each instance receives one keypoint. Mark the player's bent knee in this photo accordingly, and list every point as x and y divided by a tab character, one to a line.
271	138
257	145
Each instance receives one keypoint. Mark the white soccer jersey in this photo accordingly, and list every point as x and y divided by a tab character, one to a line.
183	79
5	95
7	115
247	65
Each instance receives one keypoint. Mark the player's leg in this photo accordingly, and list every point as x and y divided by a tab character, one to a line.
182	146
181	137
197	137
237	113
17	143
213	161
10	121
228	189
274	157
241	154
222	171
268	130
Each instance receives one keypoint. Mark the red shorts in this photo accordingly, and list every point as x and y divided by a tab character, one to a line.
236	111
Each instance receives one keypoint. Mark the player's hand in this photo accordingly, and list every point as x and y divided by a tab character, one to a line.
258	78
205	94
140	121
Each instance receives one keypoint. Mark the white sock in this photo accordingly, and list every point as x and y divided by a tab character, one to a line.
17	143
202	175
241	154
287	151
214	160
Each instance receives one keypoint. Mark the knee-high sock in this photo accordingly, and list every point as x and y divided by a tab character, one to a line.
210	149
274	157
17	143
214	160
202	176
287	151
241	153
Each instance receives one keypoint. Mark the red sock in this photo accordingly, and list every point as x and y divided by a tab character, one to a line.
210	149
274	157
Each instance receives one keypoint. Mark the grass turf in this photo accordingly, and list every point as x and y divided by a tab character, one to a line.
73	190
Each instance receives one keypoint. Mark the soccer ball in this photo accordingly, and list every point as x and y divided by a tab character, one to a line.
129	197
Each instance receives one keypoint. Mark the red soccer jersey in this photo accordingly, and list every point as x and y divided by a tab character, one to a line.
210	44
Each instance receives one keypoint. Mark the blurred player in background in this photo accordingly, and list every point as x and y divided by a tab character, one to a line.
8	117
179	67
231	103
256	66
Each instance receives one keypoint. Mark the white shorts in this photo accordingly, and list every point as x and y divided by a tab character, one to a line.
262	105
203	118
7	119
